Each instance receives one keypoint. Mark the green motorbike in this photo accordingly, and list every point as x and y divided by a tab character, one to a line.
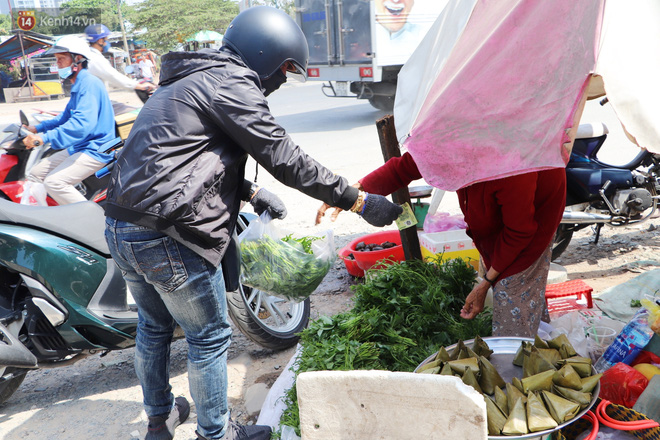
62	297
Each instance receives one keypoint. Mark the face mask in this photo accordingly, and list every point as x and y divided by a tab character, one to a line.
273	83
64	72
106	47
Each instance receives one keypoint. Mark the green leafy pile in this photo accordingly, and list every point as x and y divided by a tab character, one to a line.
286	268
402	314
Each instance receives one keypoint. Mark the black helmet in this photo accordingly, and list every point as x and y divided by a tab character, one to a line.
265	38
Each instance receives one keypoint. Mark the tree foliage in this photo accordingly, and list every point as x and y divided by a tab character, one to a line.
170	22
286	5
5	24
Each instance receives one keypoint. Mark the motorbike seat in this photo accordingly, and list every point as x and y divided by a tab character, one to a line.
82	222
591	130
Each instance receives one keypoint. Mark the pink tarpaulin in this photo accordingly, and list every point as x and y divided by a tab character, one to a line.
497	87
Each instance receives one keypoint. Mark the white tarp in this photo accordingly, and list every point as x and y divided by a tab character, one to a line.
629	62
497	87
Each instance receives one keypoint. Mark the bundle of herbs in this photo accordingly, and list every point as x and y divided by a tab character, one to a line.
288	268
402	313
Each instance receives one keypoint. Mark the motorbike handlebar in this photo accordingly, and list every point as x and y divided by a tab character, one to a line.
108	168
105	170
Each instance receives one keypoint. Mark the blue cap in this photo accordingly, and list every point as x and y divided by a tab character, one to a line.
95	32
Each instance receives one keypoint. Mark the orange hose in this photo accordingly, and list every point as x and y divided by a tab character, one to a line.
606	420
594	421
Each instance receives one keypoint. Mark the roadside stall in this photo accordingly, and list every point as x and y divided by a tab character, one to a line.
39	80
495	89
204	39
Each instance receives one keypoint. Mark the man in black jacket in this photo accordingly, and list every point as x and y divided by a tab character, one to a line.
174	199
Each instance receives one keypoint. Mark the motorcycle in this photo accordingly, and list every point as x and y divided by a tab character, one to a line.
62	297
601	194
16	161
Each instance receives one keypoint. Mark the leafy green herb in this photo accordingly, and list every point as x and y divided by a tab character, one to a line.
287	269
401	315
635	303
304	242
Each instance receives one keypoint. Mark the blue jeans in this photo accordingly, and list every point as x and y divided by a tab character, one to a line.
173	285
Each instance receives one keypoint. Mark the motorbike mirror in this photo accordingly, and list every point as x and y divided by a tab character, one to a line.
11	128
24	119
21	134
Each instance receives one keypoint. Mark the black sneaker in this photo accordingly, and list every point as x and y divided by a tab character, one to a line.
243	432
162	427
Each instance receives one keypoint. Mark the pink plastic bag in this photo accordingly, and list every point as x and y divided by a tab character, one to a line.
443	221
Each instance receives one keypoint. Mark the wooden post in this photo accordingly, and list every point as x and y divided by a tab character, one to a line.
389	145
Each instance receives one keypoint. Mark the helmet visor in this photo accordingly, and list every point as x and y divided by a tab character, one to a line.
56	49
294	71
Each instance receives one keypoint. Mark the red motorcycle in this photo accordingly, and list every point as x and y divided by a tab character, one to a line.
16	160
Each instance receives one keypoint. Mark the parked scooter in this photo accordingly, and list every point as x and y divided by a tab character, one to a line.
599	193
62	298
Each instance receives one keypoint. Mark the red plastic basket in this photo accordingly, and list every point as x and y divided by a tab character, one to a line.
367	260
351	265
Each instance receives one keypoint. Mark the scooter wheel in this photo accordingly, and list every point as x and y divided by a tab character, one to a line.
561	241
269	321
9	386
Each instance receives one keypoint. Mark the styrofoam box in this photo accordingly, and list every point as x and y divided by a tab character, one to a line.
451	244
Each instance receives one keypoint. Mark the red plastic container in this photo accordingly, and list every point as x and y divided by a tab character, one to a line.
351	265
367	260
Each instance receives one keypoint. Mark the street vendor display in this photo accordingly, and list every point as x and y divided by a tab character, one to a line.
401	313
532	387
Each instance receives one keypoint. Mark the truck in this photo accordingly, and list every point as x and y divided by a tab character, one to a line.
357	47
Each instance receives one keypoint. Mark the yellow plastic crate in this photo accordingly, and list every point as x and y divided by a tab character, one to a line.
42	88
451	244
125	123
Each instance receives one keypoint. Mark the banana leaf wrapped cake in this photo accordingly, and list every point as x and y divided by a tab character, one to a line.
552	385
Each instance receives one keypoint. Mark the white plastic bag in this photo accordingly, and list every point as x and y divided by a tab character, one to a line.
288	433
34	193
281	264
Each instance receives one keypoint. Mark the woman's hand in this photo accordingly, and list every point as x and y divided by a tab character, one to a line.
320	213
474	303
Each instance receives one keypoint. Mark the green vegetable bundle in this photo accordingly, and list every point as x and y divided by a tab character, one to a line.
289	268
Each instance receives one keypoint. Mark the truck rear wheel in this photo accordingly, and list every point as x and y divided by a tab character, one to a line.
381	102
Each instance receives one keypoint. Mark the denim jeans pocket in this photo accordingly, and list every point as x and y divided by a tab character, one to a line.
160	261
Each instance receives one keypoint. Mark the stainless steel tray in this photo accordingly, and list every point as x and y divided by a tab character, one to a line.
504	350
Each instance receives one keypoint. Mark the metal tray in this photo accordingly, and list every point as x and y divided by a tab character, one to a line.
504	350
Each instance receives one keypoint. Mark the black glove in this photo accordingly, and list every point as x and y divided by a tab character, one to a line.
265	200
378	211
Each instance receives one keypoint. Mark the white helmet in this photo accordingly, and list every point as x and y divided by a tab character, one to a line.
72	44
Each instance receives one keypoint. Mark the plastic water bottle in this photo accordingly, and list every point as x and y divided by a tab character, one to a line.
627	345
